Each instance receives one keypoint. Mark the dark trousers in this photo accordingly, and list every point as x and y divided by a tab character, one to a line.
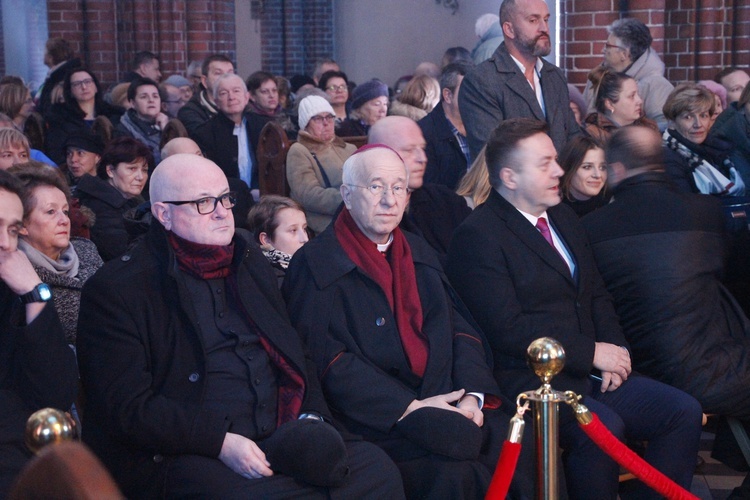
640	409
372	475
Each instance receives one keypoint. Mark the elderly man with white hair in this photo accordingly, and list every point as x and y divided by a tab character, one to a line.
196	383
226	138
398	359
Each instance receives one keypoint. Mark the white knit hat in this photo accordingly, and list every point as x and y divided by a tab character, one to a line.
310	106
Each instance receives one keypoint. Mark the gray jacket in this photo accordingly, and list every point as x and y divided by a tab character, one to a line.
497	90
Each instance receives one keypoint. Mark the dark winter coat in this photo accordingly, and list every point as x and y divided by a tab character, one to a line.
108	232
143	363
446	163
661	254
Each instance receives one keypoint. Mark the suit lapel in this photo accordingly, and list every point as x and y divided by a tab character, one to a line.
518	84
530	236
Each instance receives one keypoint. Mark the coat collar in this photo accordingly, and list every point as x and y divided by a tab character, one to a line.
531	237
515	80
326	249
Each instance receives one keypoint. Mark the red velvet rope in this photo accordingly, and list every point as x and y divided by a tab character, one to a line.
504	470
627	458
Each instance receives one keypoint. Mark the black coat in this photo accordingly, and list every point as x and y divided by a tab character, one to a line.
519	289
434	213
57	76
65	119
194	114
351	334
661	253
219	144
143	364
37	370
108	232
446	163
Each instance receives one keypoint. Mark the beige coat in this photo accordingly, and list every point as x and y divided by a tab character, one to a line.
306	183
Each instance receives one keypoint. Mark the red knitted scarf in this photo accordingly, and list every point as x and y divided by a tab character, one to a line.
398	280
202	261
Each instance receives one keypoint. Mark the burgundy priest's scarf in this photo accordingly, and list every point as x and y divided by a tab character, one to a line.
214	262
398	280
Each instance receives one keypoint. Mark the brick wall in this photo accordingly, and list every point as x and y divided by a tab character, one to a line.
106	33
695	38
294	34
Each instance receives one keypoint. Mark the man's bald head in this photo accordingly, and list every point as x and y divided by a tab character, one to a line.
177	174
404	135
180	145
631	151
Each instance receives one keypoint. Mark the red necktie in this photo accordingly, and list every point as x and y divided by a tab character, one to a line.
543	227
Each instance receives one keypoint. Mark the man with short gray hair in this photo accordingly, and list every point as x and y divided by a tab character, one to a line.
226	138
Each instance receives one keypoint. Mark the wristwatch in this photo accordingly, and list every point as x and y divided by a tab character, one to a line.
40	293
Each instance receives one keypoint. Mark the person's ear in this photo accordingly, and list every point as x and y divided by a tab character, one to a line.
508	177
346	195
110	171
163	214
447	95
23	231
508	30
265	241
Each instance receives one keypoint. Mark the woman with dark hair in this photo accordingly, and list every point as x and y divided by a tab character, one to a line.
83	104
120	179
617	103
336	85
280	228
64	263
144	120
583	186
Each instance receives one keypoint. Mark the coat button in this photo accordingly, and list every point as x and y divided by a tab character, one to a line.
380	321
125	258
194	377
158	458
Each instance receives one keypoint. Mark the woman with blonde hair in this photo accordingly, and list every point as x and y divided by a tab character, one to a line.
420	96
475	185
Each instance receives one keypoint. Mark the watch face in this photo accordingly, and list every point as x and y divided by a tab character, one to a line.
44	292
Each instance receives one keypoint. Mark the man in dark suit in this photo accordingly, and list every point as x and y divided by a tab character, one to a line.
447	151
516	82
522	282
196	384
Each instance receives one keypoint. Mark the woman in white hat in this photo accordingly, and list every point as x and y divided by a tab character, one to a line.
314	162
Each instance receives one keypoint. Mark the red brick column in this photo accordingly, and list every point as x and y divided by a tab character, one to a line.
107	33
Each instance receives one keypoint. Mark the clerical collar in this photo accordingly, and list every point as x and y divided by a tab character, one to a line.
385	246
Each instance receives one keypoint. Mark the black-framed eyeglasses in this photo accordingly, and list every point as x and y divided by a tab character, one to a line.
208	204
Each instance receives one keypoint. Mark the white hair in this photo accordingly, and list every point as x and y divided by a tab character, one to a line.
484	23
227	76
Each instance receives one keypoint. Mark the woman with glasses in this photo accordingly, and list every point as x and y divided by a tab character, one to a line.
83	104
336	85
314	163
120	179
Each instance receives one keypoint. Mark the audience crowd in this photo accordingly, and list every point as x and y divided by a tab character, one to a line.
363	333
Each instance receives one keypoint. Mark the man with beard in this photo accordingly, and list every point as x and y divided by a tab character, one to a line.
516	82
